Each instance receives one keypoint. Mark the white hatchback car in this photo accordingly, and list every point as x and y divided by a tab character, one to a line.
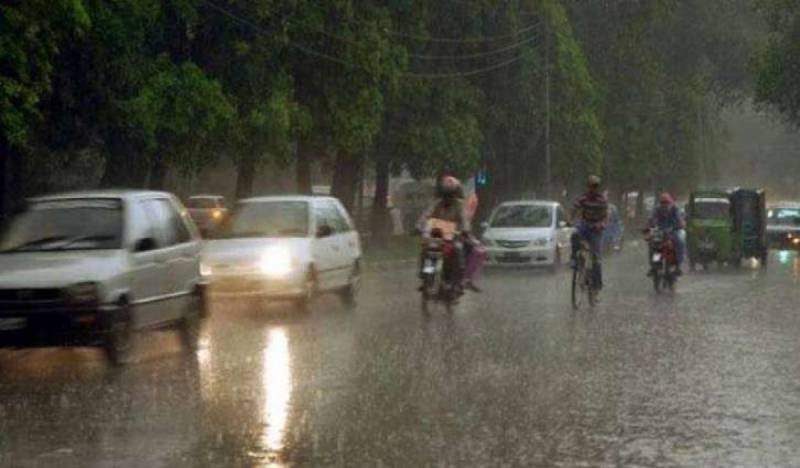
527	233
90	269
285	248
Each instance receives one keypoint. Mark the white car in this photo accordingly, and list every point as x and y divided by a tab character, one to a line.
527	233
90	269
285	248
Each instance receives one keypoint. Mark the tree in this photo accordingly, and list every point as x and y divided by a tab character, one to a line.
31	33
777	63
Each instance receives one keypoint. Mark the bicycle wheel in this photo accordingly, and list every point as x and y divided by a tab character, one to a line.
578	284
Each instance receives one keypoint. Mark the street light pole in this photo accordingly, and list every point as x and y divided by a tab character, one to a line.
547	157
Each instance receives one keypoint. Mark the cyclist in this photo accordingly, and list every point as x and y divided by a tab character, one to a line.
590	213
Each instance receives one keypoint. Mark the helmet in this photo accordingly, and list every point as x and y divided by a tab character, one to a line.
593	181
449	187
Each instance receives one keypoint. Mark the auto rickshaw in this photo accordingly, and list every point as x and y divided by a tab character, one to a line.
709	228
749	215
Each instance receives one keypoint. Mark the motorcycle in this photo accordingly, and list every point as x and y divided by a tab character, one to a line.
663	260
440	271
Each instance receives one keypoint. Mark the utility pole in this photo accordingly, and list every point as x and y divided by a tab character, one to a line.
547	170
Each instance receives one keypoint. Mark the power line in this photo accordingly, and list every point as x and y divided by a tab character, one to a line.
339	61
465	73
450	40
489	53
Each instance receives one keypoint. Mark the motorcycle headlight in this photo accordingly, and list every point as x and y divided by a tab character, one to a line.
276	262
83	293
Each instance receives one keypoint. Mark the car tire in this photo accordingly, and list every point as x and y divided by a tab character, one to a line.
303	304
349	294
119	342
191	324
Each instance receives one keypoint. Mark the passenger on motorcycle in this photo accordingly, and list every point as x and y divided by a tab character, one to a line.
590	213
667	217
450	208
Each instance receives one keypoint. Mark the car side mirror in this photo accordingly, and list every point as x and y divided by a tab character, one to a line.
324	231
145	244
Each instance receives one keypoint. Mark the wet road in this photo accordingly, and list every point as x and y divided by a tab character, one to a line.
709	377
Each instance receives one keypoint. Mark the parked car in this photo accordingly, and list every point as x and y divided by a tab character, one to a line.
285	248
90	269
532	233
614	234
783	226
207	211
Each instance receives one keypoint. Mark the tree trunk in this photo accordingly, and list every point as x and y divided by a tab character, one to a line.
158	172
303	168
345	178
381	222
125	167
16	184
245	176
5	154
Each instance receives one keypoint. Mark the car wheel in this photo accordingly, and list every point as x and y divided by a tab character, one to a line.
303	303
349	294
191	323
119	343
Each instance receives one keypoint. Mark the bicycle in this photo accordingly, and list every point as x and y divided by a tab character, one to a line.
582	285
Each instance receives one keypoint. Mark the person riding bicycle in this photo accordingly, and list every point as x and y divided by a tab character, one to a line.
591	214
667	217
450	207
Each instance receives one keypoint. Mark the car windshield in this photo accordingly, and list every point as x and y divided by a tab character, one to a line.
201	203
89	224
518	216
268	219
784	216
711	208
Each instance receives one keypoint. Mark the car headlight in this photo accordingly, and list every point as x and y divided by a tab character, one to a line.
541	242
83	293
205	269
276	262
487	241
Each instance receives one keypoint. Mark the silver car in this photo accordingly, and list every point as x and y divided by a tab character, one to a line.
90	269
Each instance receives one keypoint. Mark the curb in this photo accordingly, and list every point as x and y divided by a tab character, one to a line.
379	267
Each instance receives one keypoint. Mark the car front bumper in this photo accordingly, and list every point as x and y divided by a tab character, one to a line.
56	326
245	286
529	256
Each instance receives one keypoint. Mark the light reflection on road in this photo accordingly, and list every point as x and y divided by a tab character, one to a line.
277	387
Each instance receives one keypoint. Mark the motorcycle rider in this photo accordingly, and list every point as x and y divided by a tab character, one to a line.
450	207
591	210
667	217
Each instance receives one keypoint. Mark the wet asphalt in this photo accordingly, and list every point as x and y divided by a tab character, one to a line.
709	376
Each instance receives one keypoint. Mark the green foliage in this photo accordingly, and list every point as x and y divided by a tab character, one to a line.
31	34
177	111
777	84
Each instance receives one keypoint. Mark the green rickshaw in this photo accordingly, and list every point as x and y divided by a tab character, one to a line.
709	228
749	215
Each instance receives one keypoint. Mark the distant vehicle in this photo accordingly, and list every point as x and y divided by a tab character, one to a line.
749	213
285	248
614	234
207	211
531	233
783	226
709	226
90	269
